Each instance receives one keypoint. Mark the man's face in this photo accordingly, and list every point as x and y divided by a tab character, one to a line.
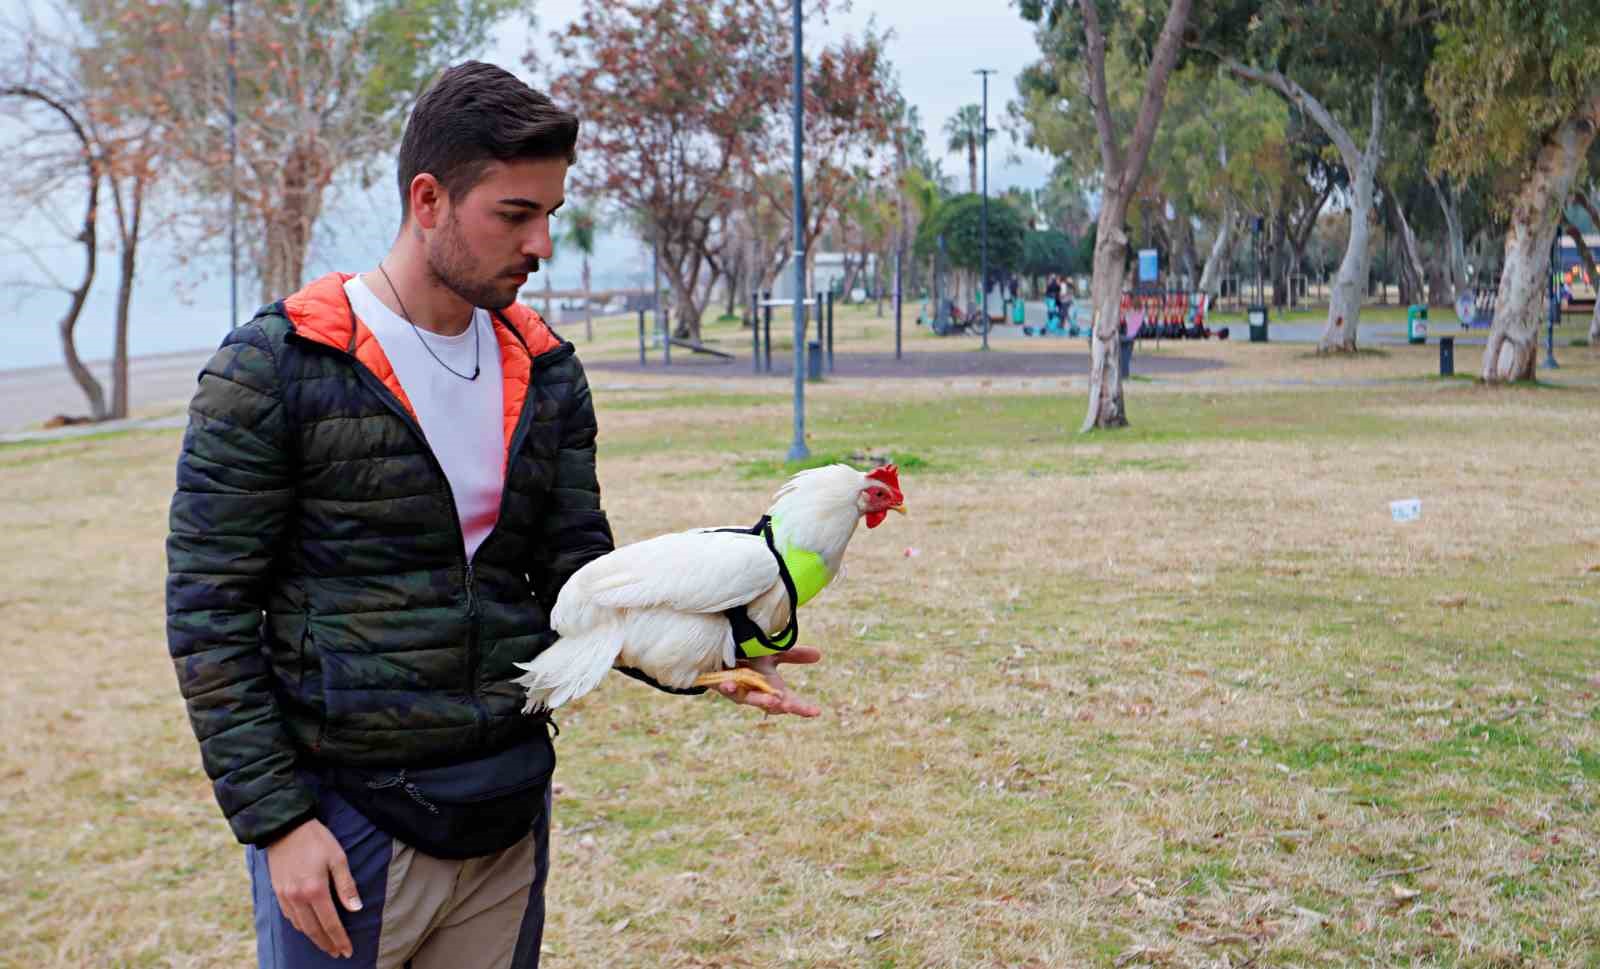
491	240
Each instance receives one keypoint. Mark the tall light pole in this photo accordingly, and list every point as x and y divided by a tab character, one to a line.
233	168
797	448
983	278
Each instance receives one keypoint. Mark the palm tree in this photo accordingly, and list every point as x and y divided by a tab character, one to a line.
582	225
965	129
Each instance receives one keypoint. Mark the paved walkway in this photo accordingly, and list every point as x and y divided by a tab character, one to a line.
30	397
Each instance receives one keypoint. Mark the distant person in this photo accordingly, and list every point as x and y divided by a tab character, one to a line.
1052	288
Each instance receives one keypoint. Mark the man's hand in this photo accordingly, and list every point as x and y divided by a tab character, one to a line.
786	701
301	863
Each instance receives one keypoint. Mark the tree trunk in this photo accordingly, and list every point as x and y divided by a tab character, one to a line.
972	162
1412	256
129	226
119	343
1190	255
1349	285
1279	260
852	270
683	292
1211	275
1455	242
287	233
1122	172
86	236
69	320
588	307
1106	407
1344	306
1512	351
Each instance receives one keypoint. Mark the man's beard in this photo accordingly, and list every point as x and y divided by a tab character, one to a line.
452	265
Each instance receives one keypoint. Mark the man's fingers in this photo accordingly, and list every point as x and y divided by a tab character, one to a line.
304	918
799	654
764	701
801	708
344	884
337	943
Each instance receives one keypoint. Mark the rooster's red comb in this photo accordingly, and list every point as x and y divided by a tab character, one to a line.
888	474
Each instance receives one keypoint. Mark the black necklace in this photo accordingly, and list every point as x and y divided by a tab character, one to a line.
477	334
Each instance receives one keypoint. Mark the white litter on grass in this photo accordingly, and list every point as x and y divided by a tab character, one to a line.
1406	510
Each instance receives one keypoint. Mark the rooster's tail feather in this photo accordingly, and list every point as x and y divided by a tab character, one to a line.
573	666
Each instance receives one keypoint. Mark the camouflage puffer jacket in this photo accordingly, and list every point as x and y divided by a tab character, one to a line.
319	602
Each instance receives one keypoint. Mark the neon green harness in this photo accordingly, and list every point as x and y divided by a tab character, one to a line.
804	574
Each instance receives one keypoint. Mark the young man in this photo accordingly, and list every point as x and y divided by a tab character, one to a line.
386	479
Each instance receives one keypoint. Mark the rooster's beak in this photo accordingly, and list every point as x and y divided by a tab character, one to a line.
901	508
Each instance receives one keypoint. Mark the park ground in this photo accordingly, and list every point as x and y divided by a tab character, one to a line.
1179	695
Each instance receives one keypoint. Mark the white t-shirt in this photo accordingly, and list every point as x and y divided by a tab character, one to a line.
462	419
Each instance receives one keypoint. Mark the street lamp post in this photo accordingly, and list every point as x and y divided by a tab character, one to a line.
983	263
1555	303
797	448
233	168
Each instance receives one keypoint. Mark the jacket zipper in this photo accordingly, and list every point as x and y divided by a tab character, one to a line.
372	383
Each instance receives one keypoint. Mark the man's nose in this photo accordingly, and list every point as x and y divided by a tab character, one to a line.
538	243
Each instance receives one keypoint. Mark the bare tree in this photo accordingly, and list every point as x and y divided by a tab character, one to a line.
324	88
49	174
60	70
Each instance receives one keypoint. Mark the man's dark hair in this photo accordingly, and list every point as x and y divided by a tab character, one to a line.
474	114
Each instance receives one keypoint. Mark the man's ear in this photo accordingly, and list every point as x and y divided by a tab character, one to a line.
428	200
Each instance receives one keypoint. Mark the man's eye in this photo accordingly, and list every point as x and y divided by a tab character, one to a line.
514	218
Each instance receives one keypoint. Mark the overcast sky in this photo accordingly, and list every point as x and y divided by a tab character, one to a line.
934	45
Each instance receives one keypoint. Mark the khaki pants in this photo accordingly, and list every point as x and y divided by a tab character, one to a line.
418	912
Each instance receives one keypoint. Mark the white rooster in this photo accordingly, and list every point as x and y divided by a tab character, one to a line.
681	608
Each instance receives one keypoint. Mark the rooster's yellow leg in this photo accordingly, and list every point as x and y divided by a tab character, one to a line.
744	676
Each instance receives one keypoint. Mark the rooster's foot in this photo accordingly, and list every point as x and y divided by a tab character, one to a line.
743	676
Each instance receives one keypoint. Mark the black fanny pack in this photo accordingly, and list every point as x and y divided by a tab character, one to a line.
461	811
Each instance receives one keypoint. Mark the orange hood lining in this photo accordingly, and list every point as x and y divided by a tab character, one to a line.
322	312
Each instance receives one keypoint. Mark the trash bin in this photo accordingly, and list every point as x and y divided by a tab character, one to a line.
1257	315
1416	324
813	360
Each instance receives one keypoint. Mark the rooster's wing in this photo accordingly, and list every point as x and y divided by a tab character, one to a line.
697	572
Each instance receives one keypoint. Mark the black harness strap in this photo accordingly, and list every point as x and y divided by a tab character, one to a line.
644	677
745	628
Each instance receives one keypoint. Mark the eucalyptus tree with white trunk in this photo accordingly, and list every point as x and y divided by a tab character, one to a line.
1073	41
1221	248
1512	352
1524	108
1350	283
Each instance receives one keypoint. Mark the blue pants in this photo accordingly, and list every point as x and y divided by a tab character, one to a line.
418	912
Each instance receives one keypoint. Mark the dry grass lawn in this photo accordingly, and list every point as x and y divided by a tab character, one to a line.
1182	695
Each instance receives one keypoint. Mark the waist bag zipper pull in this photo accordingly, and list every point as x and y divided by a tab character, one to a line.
399	780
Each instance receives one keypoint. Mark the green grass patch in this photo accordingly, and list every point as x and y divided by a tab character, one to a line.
770	468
